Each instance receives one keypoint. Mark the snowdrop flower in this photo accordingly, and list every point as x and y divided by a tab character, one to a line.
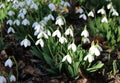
21	4
83	16
12	78
15	5
94	50
46	18
85	33
2	5
29	2
52	7
99	47
68	58
104	20
8	63
102	11
56	33
91	14
89	57
42	34
48	32
3	79
34	24
10	29
34	6
41	42
50	16
66	4
23	10
86	40
109	6
73	47
80	10
25	43
59	21
62	40
10	22
115	13
108	0
69	32
10	13
38	28
15	1
25	22
17	22
21	15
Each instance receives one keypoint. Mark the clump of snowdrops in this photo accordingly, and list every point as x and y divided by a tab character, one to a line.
42	27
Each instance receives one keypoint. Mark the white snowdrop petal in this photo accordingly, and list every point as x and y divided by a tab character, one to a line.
12	78
104	20
91	14
69	59
64	58
52	7
3	79
8	63
97	52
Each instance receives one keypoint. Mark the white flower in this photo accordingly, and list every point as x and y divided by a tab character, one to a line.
59	21
17	22
46	18
68	58
85	33
108	0
50	16
12	78
102	11
42	34
48	32
83	16
2	5
80	10
21	4
21	15
38	28
62	40
66	4
86	40
8	63
104	20
15	5
109	6
10	22
25	43
69	31
52	7
3	79
94	50
10	13
41	42
34	24
25	22
73	47
10	29
56	33
34	6
91	14
115	13
29	2
23	10
89	57
99	47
